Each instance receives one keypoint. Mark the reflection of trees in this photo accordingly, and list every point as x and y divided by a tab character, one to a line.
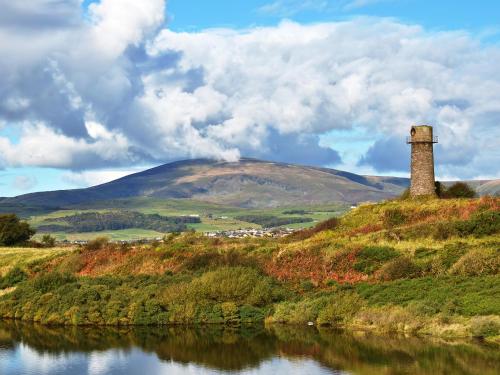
365	353
233	349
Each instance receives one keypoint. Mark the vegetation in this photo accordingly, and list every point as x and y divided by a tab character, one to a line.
268	221
428	266
116	220
13	231
457	190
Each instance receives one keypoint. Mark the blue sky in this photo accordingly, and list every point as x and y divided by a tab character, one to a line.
72	123
476	16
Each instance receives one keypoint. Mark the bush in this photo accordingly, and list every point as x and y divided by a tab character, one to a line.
371	258
399	268
394	217
477	262
458	190
341	309
13	231
97	243
484	326
241	285
479	225
14	276
48	241
446	257
51	281
301	312
390	319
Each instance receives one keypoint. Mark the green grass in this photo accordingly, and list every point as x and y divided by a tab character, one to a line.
124	234
464	295
11	256
214	217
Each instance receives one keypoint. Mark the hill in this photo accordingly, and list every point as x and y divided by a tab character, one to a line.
427	267
248	183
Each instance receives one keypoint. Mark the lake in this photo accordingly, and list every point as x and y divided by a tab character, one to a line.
35	349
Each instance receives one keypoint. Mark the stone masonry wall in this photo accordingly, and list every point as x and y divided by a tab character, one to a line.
422	162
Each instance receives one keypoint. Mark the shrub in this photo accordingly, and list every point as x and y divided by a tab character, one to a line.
306	285
48	241
97	243
389	319
241	285
394	217
446	257
479	225
399	268
458	190
341	309
370	258
477	262
51	281
13	231
484	326
301	312
14	276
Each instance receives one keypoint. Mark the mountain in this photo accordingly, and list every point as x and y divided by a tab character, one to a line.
247	183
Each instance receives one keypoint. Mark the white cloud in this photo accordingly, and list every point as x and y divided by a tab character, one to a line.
287	8
42	146
117	91
24	182
97	177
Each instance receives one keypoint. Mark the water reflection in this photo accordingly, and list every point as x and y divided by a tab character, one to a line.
34	349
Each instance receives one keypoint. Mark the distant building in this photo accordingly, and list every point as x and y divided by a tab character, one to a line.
422	161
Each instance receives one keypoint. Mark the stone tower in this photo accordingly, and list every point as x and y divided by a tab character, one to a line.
422	161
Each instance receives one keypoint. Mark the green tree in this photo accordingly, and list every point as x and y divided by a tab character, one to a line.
458	190
48	240
13	231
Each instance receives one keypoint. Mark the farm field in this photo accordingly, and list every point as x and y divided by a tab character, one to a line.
213	217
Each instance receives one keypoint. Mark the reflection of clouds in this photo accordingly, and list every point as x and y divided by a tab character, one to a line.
26	361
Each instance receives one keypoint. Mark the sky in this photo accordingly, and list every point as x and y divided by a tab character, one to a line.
94	90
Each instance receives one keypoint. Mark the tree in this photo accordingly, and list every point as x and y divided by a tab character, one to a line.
13	231
458	190
48	240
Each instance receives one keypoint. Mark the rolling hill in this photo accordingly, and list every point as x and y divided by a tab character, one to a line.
248	183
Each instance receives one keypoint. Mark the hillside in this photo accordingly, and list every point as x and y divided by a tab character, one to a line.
248	183
426	266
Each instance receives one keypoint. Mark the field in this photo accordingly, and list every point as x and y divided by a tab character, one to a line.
421	267
213	217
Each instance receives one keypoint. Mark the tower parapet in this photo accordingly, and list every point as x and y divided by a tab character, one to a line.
422	160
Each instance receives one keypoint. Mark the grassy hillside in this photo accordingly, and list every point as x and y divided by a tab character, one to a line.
428	267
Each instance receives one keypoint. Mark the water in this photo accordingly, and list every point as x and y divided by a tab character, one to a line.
34	349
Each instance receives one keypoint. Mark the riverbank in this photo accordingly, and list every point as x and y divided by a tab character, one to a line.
428	267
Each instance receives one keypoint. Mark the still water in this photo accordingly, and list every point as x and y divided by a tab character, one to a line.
34	349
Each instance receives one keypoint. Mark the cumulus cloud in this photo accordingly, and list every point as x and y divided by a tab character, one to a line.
116	88
97	177
24	182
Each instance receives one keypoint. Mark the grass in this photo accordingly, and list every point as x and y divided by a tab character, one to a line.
213	217
11	257
124	234
378	267
464	295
